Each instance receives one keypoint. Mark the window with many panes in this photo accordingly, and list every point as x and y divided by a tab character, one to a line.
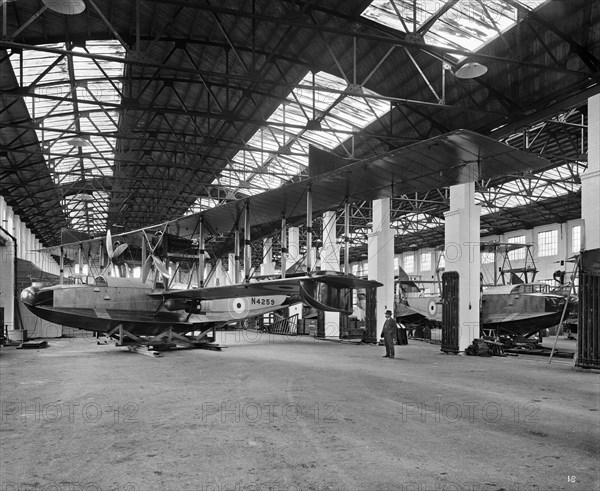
426	261
576	238
409	263
548	243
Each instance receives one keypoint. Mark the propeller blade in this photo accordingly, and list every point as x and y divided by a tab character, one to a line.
146	268
119	250
109	245
158	264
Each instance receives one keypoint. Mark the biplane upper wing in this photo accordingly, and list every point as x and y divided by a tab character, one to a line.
285	286
454	158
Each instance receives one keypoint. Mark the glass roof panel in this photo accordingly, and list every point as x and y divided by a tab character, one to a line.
466	25
319	111
86	91
551	183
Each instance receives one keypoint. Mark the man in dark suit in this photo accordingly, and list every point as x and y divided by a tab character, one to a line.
388	334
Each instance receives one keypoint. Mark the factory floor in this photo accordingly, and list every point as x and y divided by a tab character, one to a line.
290	413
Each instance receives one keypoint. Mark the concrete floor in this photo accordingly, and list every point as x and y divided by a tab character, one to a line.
271	412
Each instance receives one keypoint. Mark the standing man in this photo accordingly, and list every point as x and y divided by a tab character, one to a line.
388	334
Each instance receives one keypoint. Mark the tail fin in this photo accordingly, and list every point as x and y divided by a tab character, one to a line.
407	285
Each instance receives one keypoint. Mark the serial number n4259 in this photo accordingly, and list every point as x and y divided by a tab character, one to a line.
263	301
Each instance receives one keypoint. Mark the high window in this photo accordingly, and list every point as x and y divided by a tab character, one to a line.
548	243
576	238
426	261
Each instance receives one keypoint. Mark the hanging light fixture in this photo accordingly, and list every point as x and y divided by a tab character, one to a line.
471	70
66	7
84	196
79	141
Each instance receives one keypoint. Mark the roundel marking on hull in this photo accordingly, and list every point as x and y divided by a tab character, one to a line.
238	307
432	308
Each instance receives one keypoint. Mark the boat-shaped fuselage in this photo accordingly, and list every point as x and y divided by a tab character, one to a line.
111	301
518	310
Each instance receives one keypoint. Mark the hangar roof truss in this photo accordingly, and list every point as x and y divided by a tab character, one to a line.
185	105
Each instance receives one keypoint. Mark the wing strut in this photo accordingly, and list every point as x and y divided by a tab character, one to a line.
201	252
308	230
284	249
236	256
62	266
247	243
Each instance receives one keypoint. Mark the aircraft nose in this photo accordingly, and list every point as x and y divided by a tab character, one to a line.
36	296
28	295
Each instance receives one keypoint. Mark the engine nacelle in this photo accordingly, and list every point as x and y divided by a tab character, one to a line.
174	304
193	307
190	306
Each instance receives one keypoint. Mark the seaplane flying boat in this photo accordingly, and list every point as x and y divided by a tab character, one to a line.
520	309
144	312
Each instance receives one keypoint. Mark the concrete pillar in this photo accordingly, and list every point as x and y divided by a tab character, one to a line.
462	238
7	279
381	260
267	267
590	180
28	250
330	261
7	268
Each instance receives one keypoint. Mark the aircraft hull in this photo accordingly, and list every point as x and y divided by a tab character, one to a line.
100	309
526	325
136	322
507	314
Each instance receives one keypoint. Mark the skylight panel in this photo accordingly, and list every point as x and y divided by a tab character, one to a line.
88	89
400	14
317	112
467	25
551	183
424	221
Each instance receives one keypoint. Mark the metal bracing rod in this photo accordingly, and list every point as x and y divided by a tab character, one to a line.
399	16
24	26
379	63
236	256
572	291
423	76
62	266
308	229
247	243
108	24
228	39
201	252
80	260
284	248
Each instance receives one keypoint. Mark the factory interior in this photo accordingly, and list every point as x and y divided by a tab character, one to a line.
299	244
